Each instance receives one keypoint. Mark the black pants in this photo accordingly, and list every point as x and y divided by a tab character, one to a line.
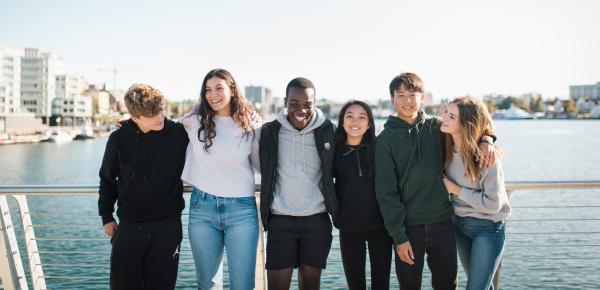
437	241
353	246
145	255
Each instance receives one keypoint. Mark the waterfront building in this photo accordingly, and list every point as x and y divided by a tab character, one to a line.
70	108
13	118
590	92
595	111
102	100
261	97
39	71
10	80
428	99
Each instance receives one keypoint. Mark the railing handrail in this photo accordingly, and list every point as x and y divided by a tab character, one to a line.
20	191
84	189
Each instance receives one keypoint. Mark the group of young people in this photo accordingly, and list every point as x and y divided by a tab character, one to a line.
424	186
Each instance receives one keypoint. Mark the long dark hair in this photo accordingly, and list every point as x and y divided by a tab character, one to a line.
239	112
368	139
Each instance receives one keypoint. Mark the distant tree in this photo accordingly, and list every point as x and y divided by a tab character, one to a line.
505	104
326	108
173	108
94	106
521	104
570	106
491	105
537	104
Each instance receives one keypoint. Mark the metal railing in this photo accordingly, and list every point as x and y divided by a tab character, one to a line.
68	249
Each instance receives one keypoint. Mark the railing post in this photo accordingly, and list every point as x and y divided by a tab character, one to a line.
35	263
11	265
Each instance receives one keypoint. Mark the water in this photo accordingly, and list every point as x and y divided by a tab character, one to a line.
534	150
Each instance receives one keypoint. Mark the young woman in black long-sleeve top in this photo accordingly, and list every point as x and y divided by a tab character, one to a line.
359	220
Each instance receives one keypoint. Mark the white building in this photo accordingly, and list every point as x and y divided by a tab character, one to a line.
69	107
591	92
428	99
13	118
39	71
118	96
36	91
262	99
10	80
595	111
104	103
584	105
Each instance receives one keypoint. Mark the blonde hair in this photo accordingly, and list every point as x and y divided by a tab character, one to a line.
475	121
144	100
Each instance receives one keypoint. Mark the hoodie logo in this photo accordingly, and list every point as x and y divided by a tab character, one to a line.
327	146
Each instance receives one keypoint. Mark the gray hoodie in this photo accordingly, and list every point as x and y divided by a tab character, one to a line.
297	190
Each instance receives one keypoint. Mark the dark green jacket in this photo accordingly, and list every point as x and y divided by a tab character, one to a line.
408	175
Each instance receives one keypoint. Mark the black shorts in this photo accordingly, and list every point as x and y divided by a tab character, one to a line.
294	241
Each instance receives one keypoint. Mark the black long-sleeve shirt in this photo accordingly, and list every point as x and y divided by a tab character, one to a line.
141	172
355	189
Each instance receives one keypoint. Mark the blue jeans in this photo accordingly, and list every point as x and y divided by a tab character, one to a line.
480	243
218	223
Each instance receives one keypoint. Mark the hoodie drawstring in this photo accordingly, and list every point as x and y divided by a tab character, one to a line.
135	155
294	146
149	158
303	153
301	149
419	149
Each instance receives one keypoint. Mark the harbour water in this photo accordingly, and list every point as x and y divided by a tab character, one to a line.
533	150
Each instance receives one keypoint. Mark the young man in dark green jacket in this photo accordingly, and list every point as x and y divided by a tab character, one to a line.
408	182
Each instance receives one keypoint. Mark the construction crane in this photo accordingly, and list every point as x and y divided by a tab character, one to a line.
114	72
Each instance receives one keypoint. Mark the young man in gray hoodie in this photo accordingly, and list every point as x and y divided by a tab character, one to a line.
297	194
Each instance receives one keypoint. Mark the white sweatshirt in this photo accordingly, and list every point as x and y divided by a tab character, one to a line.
226	170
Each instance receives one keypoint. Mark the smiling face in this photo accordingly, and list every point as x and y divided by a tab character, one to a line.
407	103
356	124
450	120
300	104
218	96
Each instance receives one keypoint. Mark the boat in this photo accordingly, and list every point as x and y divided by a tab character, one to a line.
86	134
513	113
58	136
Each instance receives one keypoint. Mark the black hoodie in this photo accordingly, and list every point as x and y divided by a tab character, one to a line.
355	189
142	173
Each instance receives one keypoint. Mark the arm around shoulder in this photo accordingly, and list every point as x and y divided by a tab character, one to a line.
254	149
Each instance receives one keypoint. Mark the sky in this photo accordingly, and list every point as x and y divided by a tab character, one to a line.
349	49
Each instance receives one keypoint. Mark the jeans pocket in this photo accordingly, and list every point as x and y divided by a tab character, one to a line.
499	226
195	198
